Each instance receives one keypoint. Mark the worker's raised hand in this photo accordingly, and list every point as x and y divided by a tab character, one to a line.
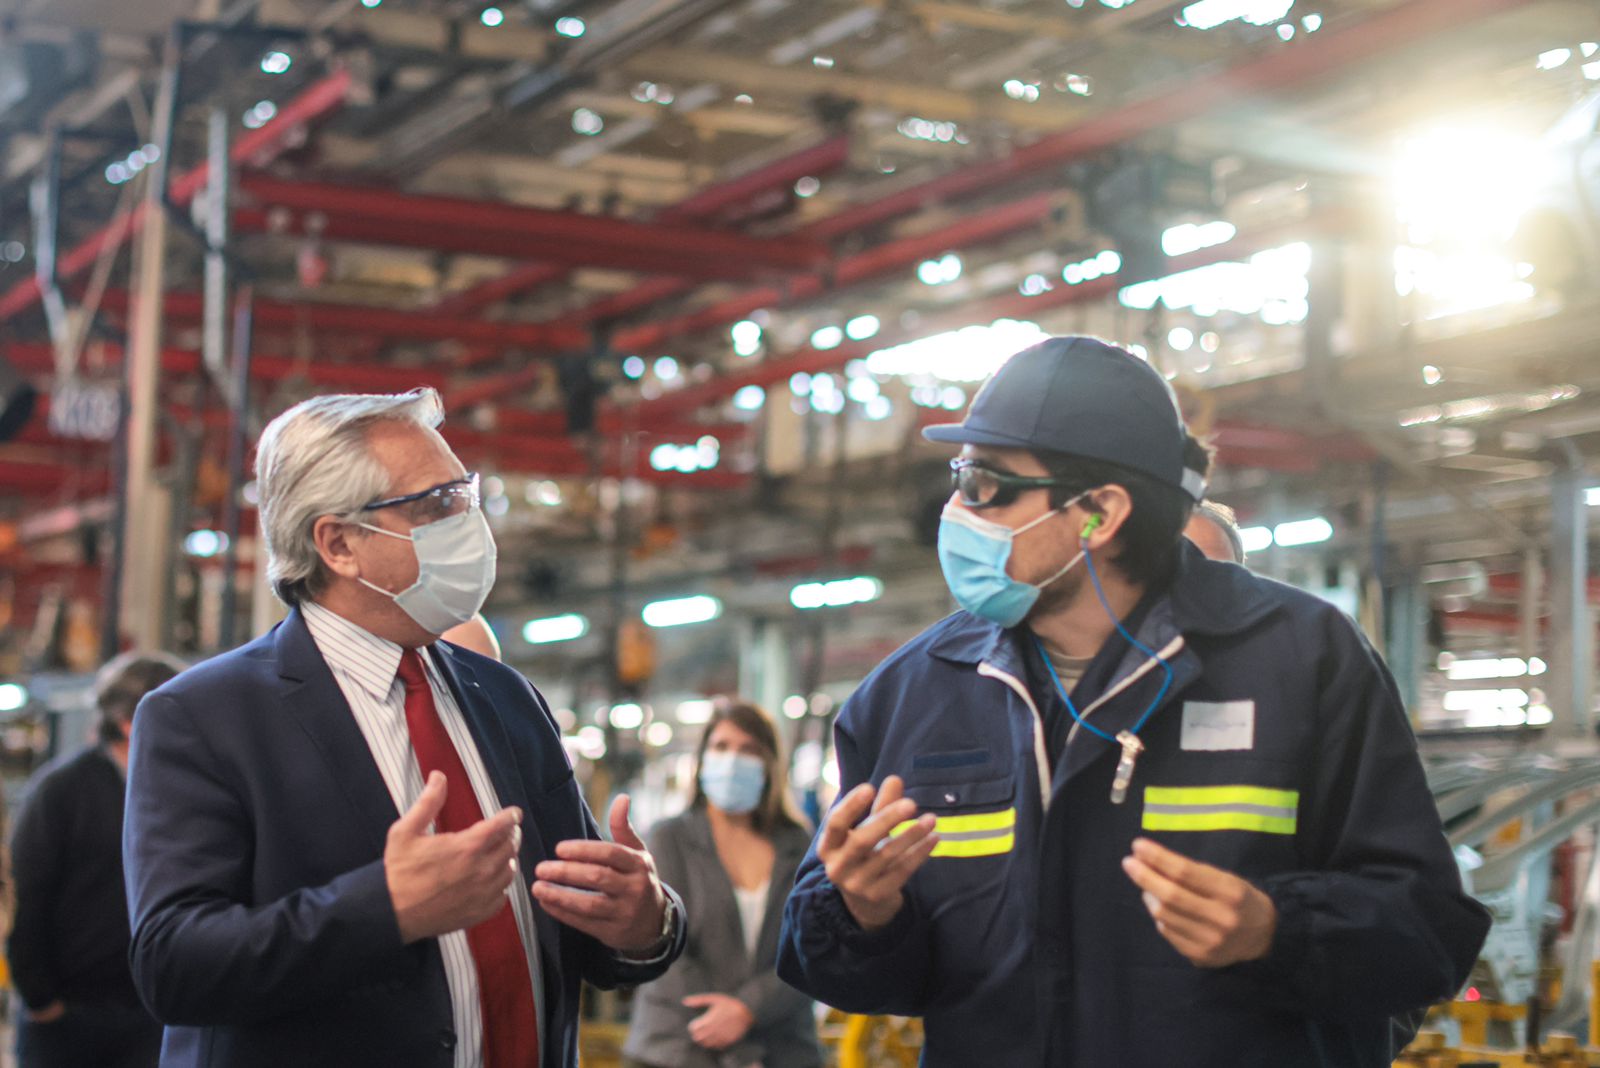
869	864
725	1020
448	881
1211	916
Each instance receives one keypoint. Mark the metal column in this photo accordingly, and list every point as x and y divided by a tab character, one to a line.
144	609
1571	673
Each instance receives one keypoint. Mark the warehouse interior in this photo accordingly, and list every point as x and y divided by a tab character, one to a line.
692	275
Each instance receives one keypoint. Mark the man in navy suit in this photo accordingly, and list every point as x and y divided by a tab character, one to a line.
330	830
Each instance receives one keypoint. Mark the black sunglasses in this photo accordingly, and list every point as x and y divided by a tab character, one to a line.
983	487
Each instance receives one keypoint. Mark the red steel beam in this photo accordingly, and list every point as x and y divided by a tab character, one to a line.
708	205
394	322
255	148
453	223
680	403
1279	69
39	359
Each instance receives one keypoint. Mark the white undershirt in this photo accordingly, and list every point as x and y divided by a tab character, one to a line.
752	913
365	666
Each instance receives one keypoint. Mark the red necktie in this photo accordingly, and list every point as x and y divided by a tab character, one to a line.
505	991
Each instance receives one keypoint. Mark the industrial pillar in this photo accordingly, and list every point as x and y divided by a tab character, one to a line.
1570	685
1406	608
766	674
144	607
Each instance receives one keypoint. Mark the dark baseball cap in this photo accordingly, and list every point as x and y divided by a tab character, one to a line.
1083	397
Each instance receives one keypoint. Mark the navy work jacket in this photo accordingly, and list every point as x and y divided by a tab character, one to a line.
1280	752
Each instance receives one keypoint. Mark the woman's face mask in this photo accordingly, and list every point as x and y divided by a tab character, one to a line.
974	552
734	782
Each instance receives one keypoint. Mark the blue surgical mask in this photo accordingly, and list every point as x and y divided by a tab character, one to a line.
734	782
973	552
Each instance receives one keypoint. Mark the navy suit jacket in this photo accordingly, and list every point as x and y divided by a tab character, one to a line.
263	931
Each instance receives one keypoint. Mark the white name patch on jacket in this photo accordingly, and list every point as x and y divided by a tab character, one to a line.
1219	725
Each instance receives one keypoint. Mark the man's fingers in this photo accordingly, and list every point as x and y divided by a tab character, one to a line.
492	831
1201	878
845	815
622	831
892	848
563	902
613	856
892	790
595	877
886	819
902	867
694	1001
426	808
1171	896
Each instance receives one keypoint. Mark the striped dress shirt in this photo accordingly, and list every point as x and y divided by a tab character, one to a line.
365	666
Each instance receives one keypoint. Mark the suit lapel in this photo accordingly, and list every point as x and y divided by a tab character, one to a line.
311	696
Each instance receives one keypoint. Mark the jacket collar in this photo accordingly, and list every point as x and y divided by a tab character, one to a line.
1204	598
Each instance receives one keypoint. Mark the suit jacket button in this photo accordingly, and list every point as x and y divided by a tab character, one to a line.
447	1038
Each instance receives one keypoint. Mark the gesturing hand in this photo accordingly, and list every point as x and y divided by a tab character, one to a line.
725	1021
605	889
444	882
869	867
1211	916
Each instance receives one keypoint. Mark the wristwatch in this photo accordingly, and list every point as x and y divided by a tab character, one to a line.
669	933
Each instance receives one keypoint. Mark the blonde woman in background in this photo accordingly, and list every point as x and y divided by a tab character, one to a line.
733	856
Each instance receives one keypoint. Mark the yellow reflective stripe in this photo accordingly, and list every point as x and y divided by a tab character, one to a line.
1218	821
1003	820
1221	795
975	847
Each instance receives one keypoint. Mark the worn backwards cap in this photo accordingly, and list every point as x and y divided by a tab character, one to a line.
1083	397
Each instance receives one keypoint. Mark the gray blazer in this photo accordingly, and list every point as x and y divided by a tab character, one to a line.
784	1034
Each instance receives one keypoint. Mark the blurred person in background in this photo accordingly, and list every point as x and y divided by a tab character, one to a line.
69	947
1214	529
475	634
733	855
330	828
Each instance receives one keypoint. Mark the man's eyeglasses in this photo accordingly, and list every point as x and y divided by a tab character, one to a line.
431	505
983	487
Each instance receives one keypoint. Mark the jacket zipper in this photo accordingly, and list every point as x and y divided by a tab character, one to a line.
1040	758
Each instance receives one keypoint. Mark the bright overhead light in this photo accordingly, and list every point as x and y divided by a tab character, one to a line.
807	186
1286	31
370	3
564	628
275	63
1591	496
1431	375
970	354
878	408
587	122
12	696
695	712
571	26
836	594
1190	237
260	115
794	706
1554	58
678	611
633	367
1302	532
492	17
750	398
746	337
1255	539
591	742
941	271
666	368
658	733
205	543
1508	667
1312	22
861	327
626	717
1209	14
827	337
1181	338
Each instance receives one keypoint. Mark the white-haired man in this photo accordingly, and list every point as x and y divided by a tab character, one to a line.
290	905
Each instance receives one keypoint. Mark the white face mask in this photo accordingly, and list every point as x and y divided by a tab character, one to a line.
455	570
